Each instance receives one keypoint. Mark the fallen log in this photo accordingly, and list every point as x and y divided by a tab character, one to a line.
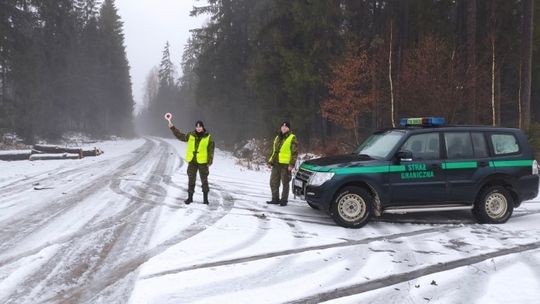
57	149
92	152
11	155
53	156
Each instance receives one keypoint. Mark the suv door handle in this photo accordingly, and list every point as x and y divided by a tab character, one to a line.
482	164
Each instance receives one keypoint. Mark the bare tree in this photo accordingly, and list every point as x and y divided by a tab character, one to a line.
351	91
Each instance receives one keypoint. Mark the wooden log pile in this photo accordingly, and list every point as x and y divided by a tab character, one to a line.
48	152
49	156
15	155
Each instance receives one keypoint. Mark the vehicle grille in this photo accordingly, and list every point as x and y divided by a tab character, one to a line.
304	175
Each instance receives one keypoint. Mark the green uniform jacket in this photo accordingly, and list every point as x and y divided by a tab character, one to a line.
294	149
184	137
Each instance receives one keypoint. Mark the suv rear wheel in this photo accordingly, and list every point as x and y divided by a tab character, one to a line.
495	205
352	207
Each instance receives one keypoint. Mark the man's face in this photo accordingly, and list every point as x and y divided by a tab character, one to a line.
199	128
284	129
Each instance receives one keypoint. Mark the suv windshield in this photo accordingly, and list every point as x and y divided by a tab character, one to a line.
379	145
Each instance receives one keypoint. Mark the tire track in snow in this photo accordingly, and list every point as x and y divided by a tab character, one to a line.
411	275
294	251
277	270
127	271
82	261
270	215
13	231
16	186
132	237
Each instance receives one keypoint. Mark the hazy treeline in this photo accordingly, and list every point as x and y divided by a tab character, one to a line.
357	65
63	67
165	92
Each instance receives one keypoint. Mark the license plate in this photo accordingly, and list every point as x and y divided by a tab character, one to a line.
298	183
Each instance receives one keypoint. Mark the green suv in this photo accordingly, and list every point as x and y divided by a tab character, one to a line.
422	166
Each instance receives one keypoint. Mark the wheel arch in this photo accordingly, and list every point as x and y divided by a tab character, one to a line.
503	180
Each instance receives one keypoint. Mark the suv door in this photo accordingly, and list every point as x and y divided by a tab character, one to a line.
467	162
421	179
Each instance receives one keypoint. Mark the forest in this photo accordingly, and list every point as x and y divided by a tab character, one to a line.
63	67
336	69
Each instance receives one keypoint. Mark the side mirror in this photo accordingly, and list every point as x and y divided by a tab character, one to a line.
404	156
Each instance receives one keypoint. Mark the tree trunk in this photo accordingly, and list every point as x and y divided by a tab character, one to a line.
520	103
355	130
493	76
471	59
15	155
498	96
527	38
92	152
392	107
374	105
54	156
57	149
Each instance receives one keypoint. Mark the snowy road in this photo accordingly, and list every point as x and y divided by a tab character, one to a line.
114	229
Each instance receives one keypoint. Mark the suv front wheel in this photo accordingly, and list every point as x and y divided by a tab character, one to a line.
495	205
352	207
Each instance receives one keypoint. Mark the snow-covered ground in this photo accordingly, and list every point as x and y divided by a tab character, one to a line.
114	229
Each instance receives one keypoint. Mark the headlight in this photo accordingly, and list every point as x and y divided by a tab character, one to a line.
319	178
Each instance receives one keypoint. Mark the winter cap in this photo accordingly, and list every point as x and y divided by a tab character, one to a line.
287	124
199	124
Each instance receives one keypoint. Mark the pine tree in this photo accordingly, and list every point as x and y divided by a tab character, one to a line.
116	105
166	68
297	42
224	53
87	9
17	66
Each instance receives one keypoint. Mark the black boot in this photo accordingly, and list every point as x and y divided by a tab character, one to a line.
273	202
189	200
205	198
283	203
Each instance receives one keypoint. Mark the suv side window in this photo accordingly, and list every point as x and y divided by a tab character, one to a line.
504	144
423	146
479	144
458	145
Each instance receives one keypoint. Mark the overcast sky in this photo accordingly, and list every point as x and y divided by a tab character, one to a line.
148	25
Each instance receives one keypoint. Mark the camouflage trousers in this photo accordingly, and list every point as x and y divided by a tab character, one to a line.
280	174
192	176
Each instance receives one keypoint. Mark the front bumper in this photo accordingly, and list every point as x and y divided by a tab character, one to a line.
319	196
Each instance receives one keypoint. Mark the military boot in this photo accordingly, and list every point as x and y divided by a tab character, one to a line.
189	200
205	198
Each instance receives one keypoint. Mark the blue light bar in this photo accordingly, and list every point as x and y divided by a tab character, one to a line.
422	121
